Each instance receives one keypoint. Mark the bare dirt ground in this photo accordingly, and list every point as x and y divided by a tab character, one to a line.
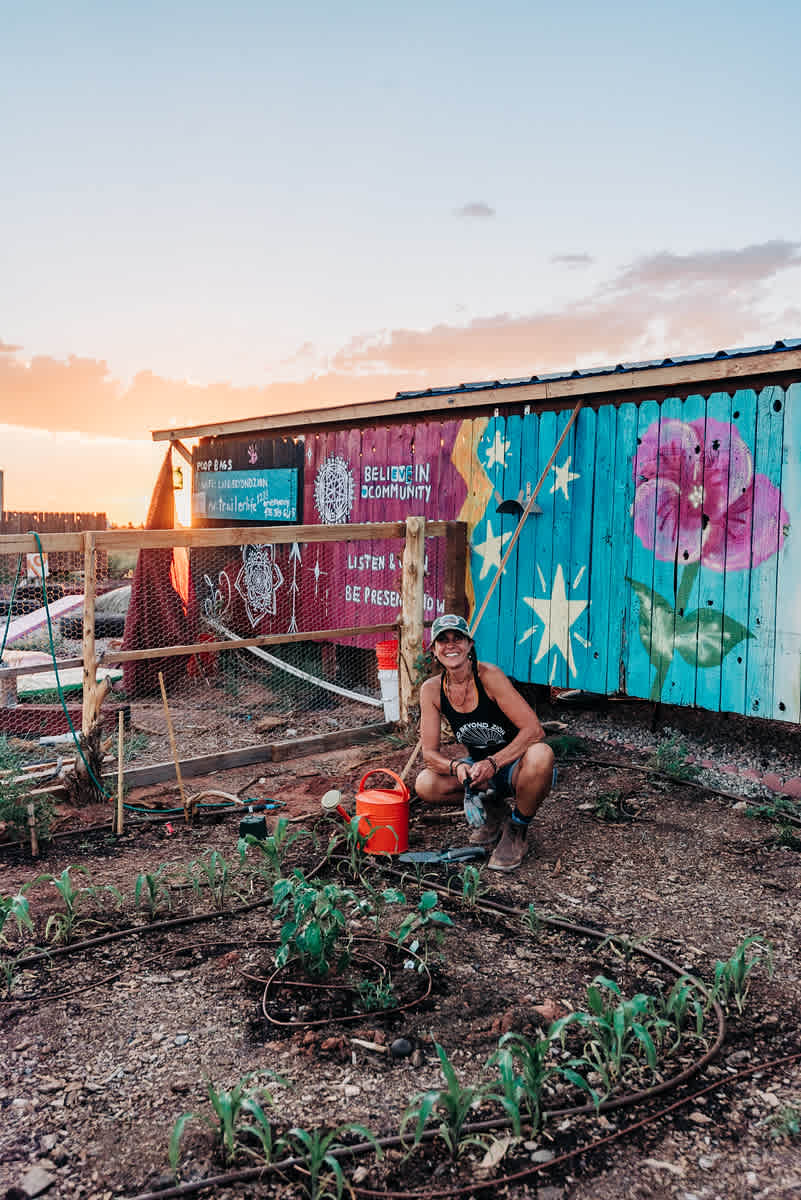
106	1046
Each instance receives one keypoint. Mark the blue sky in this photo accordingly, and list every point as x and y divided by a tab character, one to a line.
355	198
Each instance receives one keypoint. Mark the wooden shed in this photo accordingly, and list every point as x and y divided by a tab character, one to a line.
658	561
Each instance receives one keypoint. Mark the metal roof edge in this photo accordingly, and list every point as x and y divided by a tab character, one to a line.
548	386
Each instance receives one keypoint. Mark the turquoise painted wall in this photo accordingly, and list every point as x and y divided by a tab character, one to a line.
661	564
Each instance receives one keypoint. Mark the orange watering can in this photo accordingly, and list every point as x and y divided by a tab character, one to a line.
385	812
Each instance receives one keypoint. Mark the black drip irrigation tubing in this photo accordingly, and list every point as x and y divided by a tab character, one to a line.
394	1142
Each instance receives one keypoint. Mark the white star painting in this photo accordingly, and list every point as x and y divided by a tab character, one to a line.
497	451
564	476
557	614
490	550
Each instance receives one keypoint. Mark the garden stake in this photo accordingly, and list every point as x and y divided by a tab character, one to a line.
32	827
174	748
499	571
120	736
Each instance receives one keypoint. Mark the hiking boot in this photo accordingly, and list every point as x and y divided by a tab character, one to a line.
488	833
511	849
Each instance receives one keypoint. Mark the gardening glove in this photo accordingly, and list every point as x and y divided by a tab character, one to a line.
474	809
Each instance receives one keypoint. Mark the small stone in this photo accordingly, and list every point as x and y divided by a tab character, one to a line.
549	1193
36	1181
707	1162
700	1118
351	1090
417	1058
542	1156
181	1039
400	1048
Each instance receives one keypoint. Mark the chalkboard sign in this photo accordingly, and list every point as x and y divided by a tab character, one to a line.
252	480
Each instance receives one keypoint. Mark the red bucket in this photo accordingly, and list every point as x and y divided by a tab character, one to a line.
387	655
385	811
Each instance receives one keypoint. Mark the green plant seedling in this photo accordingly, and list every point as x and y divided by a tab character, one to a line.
471	886
452	1103
317	1152
62	927
785	1124
213	872
615	1030
377	994
611	807
316	933
565	746
12	908
231	1107
531	921
523	1071
273	849
155	890
670	757
732	978
422	926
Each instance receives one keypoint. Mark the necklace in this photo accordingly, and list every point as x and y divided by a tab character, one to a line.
458	700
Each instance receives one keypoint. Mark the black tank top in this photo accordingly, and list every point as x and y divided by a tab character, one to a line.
485	730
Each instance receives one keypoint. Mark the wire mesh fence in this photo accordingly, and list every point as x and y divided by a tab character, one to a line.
206	643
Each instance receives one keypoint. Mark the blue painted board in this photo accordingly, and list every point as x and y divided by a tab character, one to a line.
526	559
640	675
787	673
620	592
578	572
593	663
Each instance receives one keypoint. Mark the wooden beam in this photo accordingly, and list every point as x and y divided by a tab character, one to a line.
536	393
228	760
412	588
266	639
185	454
455	568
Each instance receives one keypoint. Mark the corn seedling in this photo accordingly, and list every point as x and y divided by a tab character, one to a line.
612	807
213	872
231	1108
565	746
316	1153
62	927
524	1070
531	921
316	933
682	1005
472	888
12	908
272	849
452	1104
732	978
422	926
156	893
615	1031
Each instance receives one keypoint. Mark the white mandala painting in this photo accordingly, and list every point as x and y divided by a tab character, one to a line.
333	491
258	580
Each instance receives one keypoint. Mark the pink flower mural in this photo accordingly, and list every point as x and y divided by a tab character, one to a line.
698	503
698	499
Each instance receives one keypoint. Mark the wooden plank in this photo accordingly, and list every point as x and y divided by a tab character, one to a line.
787	673
668	377
509	584
592	660
579	563
321	743
641	678
621	594
412	589
455	540
762	609
539	619
710	595
526	581
737	584
49	720
52	543
267	639
486	544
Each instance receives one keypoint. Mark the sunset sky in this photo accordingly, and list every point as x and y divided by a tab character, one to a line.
213	211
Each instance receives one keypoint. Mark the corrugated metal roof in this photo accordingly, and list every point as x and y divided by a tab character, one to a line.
617	369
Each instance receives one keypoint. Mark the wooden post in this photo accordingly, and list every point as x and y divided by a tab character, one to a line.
411	641
173	747
120	772
32	827
89	652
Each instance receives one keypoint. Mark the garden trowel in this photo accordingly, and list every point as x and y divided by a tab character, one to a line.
451	854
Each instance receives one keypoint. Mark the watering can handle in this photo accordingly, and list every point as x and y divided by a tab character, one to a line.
404	791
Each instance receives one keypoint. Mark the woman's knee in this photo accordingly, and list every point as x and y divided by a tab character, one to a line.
425	784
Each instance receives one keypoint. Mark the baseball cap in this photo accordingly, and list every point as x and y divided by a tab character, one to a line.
449	621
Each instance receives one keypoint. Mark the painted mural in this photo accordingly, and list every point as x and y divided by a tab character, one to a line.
657	562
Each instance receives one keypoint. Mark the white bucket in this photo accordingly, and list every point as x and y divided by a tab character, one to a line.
390	694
